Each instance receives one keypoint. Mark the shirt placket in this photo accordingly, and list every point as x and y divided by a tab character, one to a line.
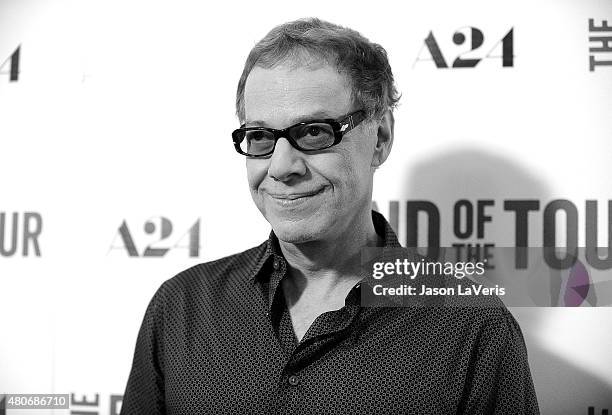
326	332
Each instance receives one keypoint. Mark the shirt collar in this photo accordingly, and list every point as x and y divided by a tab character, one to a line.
272	249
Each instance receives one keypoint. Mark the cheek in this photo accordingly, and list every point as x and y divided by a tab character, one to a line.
356	173
256	172
348	174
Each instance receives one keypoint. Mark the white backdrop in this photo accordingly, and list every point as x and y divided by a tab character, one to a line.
120	113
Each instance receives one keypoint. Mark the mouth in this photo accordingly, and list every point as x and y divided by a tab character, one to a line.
288	199
295	196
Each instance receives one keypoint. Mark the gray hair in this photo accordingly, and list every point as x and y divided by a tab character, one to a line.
364	63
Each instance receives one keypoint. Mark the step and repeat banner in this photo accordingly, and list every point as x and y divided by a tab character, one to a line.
118	170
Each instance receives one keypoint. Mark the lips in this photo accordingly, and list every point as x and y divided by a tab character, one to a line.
295	195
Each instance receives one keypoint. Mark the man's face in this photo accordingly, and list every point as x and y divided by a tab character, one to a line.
308	196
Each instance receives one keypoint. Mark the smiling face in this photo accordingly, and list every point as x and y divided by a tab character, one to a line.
308	196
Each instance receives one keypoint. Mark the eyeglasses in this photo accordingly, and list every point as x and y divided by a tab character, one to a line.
307	136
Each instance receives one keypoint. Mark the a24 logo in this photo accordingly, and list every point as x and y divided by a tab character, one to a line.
163	228
503	49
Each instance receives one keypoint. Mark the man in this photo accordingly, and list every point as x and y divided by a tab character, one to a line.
280	328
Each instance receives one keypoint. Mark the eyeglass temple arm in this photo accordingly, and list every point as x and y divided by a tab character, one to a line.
352	119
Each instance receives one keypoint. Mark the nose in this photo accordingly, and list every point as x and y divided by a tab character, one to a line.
286	162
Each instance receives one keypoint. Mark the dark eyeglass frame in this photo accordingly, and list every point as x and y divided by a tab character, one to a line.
340	127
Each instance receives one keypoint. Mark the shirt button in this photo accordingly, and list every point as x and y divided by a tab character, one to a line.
293	380
276	263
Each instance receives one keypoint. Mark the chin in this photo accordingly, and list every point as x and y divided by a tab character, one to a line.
300	231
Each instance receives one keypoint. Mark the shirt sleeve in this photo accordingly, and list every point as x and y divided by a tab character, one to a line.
144	393
499	380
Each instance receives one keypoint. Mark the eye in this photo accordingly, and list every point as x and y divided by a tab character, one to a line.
313	130
256	135
312	133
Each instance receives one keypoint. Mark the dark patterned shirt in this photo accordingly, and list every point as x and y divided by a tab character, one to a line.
218	338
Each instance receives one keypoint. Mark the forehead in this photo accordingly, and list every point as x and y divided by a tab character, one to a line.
287	94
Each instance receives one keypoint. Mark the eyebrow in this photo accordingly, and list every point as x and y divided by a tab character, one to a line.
317	115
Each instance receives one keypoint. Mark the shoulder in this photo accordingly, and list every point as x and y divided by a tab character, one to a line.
213	275
472	309
486	321
479	310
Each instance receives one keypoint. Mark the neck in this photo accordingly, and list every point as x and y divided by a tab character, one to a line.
334	259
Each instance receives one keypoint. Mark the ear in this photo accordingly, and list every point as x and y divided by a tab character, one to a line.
384	140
